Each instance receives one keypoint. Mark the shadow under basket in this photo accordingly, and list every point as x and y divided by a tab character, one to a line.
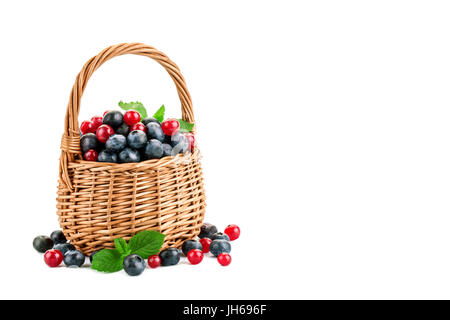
98	202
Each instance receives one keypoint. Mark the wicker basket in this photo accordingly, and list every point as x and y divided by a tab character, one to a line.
98	202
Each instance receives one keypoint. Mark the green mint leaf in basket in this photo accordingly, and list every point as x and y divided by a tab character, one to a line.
146	243
107	260
159	115
122	247
137	106
185	126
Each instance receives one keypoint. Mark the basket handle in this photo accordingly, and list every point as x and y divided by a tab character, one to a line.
70	143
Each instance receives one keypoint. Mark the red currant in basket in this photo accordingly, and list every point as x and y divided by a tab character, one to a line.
131	117
97	122
224	259
91	155
191	139
53	257
170	127
154	261
138	126
87	127
195	256
104	132
205	242
232	231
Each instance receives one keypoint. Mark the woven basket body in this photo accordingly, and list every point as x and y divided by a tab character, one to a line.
98	202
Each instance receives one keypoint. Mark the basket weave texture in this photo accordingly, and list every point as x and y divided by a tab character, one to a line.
98	202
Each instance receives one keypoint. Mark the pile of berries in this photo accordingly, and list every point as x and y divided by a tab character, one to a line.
122	138
56	249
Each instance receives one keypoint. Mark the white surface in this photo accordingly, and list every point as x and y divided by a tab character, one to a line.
324	127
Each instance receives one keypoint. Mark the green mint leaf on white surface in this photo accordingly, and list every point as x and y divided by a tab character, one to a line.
185	126
121	246
137	106
146	243
159	115
107	260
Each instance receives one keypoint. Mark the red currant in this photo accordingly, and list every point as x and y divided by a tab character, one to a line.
170	127
104	132
53	257
195	256
224	259
232	231
97	122
205	244
87	127
154	261
138	126
105	112
131	117
91	155
191	140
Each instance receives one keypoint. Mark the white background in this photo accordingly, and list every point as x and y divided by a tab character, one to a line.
324	128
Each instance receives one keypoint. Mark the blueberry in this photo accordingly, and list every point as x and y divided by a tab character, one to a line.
167	150
124	129
129	155
114	119
154	131
207	230
106	156
64	247
134	265
148	120
188	245
170	257
179	143
154	149
116	143
88	141
219	246
58	237
91	256
137	139
220	236
74	258
42	243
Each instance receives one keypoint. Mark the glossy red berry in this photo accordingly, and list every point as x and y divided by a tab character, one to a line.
53	257
87	127
131	117
191	139
224	259
205	242
104	132
97	121
232	231
105	112
91	155
138	126
170	127
154	261
195	256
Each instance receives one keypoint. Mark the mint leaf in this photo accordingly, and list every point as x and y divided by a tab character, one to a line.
185	126
146	243
159	115
121	246
139	107
107	260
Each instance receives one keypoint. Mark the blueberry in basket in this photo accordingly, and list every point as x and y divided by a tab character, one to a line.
106	156
154	149
116	143
113	119
129	155
137	139
154	131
